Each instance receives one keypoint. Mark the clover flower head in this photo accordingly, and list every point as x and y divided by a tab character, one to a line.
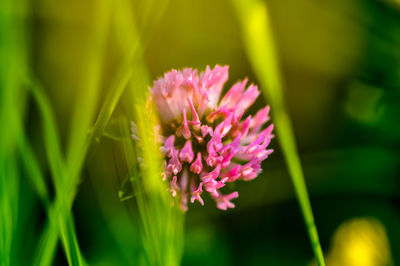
206	141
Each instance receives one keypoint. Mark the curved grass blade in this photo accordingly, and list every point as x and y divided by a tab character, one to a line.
85	105
49	237
162	227
260	47
58	170
35	175
67	171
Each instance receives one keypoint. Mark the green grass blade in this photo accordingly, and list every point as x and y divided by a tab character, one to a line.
9	182
46	248
162	225
158	224
52	142
66	174
12	104
111	102
260	47
63	202
60	223
86	102
35	175
73	166
49	238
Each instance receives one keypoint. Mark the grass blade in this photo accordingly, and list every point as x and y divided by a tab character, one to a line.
12	104
63	202
86	102
260	47
35	175
162	225
66	171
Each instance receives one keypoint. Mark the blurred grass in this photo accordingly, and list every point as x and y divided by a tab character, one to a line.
79	141
89	58
155	209
12	103
261	50
60	212
66	172
162	224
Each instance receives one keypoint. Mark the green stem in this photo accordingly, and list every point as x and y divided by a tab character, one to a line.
260	48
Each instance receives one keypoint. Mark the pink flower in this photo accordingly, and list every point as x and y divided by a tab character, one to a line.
207	142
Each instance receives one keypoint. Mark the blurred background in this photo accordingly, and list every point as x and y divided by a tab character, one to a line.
340	63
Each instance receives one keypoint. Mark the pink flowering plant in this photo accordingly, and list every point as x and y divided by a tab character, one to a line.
206	140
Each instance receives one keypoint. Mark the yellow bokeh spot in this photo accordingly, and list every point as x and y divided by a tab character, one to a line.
360	242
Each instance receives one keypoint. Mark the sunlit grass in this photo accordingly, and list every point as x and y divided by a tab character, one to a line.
59	215
162	223
261	50
12	105
65	169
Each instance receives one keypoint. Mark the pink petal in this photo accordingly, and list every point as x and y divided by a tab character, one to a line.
224	201
229	151
174	165
185	130
197	166
233	174
205	130
260	119
173	187
186	154
248	98
222	111
195	116
251	170
213	174
169	146
196	193
213	159
215	144
211	186
233	96
223	128
213	81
